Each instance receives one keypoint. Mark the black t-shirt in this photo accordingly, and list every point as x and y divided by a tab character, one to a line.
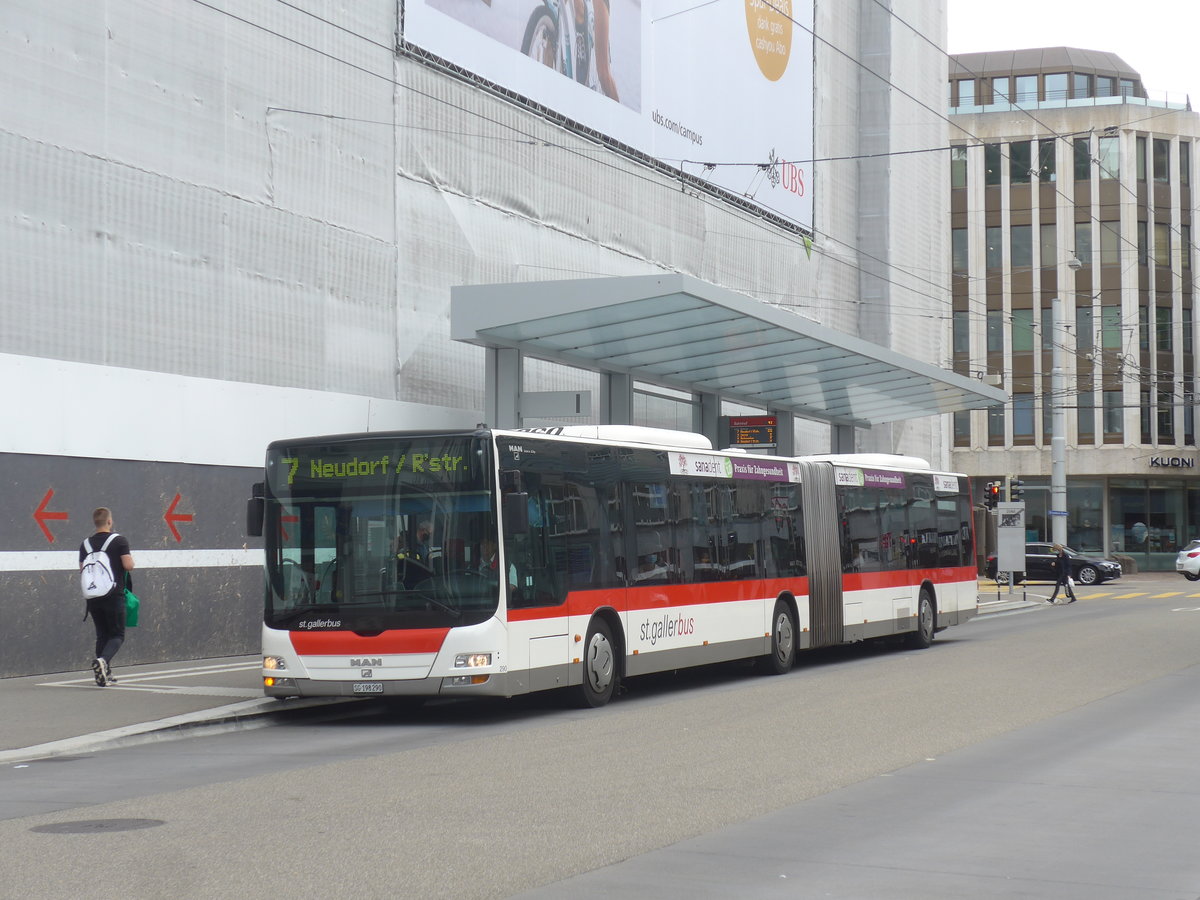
118	548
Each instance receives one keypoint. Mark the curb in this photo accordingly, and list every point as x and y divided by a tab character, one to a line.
242	715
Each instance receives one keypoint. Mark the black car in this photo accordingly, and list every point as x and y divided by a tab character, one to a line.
1039	566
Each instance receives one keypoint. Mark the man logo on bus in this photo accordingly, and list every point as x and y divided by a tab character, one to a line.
357	663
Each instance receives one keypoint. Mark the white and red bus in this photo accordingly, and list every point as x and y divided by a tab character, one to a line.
499	562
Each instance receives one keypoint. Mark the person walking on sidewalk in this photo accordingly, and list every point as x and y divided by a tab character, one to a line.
1062	573
108	611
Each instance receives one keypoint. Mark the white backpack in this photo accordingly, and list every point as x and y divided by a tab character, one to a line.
96	577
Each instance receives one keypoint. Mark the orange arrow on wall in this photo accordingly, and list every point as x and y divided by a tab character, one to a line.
171	517
41	515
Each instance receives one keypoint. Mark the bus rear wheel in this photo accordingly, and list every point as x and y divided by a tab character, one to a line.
923	636
783	641
600	673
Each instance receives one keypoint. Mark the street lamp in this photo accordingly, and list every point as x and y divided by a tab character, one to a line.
1058	442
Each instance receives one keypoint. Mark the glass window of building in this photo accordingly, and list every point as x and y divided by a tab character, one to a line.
1083	85
1128	87
1083	242
1185	245
1021	252
991	164
1185	162
1166	411
1143	241
1048	244
1048	334
1186	327
1144	417
1162	244
1084	338
1027	88
962	428
1085	415
1110	327
1022	331
1019	162
1162	161
1140	143
958	166
1083	159
1163	333
995	419
1055	84
1023	417
1114	414
1189	425
960	325
1110	243
1106	86
1143	327
1001	92
1110	157
958	249
966	92
1047	416
1046	164
993	234
995	331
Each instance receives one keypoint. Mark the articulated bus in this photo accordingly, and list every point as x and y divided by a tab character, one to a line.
500	562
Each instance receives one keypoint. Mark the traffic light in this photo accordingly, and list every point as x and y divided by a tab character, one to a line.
991	494
1015	491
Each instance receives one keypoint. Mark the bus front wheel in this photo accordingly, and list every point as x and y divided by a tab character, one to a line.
600	673
783	641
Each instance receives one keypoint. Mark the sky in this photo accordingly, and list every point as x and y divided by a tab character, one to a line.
1159	39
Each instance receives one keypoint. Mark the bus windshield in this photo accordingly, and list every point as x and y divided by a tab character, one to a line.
380	533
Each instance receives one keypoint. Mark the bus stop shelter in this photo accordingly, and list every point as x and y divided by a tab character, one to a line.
680	332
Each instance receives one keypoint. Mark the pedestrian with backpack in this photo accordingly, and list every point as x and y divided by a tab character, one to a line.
104	567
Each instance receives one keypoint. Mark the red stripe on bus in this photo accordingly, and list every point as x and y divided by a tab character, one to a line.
865	581
336	643
663	596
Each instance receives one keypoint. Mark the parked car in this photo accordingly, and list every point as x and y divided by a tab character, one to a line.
1039	566
1187	563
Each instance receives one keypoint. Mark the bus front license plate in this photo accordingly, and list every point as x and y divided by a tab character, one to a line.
367	687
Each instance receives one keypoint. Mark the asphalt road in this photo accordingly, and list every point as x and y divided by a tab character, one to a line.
1042	754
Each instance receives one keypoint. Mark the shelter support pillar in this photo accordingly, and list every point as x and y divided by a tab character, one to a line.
706	419
841	438
504	380
616	398
785	433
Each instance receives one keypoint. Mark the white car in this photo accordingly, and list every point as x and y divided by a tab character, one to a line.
1187	563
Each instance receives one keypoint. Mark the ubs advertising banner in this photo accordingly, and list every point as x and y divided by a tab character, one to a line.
691	83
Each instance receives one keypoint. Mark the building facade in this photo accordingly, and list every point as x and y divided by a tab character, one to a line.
1068	182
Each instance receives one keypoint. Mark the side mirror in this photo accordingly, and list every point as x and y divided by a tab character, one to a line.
256	508
515	509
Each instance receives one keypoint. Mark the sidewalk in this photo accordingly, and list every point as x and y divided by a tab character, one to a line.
66	713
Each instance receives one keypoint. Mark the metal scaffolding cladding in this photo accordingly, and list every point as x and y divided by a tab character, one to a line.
680	332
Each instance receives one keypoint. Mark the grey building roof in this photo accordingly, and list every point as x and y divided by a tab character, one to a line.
1040	59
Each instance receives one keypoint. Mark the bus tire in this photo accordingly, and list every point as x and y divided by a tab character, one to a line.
926	622
600	671
783	641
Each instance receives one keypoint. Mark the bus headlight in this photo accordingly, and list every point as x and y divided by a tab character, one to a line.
472	660
278	663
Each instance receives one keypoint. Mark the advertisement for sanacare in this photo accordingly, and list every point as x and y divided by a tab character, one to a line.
722	90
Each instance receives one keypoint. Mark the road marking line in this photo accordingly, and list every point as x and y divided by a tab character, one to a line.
1130	596
162	674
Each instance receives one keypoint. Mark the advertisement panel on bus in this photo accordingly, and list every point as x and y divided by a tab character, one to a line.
723	91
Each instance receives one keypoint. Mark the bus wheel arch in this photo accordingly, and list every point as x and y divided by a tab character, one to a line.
602	660
785	637
926	618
